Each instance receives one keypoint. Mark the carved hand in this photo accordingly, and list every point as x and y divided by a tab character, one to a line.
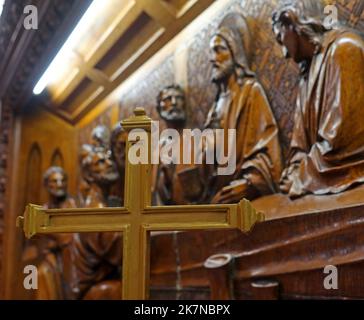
286	181
232	193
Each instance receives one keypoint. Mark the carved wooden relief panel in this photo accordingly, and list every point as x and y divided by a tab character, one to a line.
278	77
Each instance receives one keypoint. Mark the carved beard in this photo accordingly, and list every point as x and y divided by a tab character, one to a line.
220	72
58	193
174	115
107	178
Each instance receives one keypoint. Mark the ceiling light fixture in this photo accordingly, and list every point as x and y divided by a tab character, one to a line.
2	2
67	49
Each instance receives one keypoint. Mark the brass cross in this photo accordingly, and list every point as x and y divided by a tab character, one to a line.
138	218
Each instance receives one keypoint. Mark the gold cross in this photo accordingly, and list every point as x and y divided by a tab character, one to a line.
138	218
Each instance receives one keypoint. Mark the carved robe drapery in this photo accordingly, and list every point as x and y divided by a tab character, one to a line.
55	267
96	258
327	148
258	152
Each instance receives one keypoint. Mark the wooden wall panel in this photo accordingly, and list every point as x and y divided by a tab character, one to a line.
41	136
146	92
33	180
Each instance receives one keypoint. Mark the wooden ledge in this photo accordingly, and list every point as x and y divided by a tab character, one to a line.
279	206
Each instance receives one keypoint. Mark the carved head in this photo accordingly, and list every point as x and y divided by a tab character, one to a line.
55	181
297	20
100	137
97	165
171	104
230	49
118	140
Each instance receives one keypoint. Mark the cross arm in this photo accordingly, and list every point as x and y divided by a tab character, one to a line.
38	220
192	217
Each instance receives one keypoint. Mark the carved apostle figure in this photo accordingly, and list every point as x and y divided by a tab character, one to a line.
177	183
96	256
327	148
55	181
241	104
54	247
118	141
99	170
100	140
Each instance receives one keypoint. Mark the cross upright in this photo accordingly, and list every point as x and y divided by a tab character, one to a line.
138	218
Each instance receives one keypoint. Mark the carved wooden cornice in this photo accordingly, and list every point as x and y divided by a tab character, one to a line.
9	19
29	52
